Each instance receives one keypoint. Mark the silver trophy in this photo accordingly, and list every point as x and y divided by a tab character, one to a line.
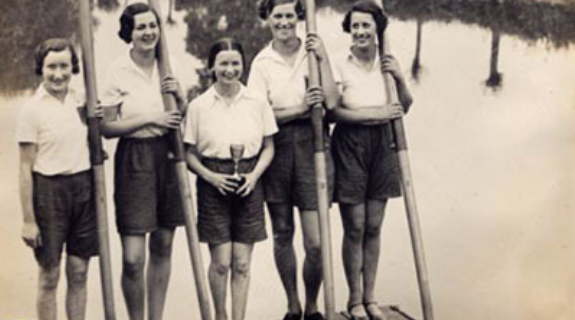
237	152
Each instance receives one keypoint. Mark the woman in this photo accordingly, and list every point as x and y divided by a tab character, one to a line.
226	119
279	72
365	162
55	180
145	187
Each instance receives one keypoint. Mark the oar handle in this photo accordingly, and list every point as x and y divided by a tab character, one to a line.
314	79
96	158
184	187
320	166
407	187
391	94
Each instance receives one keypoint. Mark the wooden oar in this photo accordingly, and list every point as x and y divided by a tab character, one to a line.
407	188
96	158
177	146
320	171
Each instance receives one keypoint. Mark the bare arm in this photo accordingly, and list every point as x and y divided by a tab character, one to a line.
390	64
30	231
285	115
328	84
403	94
313	96
172	86
113	127
346	115
329	87
264	161
367	115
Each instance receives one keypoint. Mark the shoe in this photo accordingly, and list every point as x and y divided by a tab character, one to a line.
373	310
314	316
354	316
292	316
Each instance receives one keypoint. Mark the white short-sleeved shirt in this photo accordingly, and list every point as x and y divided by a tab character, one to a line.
57	130
212	125
282	84
359	86
128	86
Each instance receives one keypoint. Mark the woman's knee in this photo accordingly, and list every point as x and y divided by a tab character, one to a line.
161	244
77	274
313	250
354	232
353	222
283	233
373	231
282	223
241	268
133	265
48	279
220	267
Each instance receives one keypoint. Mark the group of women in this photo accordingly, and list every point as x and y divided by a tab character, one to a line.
267	121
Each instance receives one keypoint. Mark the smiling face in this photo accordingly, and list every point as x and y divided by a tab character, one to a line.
57	71
146	31
228	66
362	29
283	21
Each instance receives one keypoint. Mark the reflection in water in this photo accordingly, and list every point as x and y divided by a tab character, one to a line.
210	20
108	5
528	19
170	18
416	65
23	25
495	77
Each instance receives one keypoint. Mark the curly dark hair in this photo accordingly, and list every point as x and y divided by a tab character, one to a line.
266	6
370	7
127	19
56	45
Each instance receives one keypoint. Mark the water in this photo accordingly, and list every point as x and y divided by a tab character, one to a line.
491	147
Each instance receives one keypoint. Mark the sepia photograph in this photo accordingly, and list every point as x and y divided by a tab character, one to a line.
287	159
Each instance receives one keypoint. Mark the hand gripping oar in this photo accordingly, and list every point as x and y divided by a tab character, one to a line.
407	188
96	159
320	172
177	146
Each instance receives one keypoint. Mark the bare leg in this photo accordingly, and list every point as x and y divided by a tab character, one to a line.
218	272
158	272
353	218
375	214
312	266
241	260
284	253
77	275
133	261
46	300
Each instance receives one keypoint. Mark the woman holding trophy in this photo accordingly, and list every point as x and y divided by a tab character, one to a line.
229	144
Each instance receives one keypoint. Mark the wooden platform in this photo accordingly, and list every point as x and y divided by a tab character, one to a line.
390	313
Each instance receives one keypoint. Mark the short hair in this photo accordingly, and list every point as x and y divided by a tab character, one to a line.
127	19
224	44
56	45
265	7
370	7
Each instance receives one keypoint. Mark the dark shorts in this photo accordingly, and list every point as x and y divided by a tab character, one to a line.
146	191
366	163
65	213
229	218
290	178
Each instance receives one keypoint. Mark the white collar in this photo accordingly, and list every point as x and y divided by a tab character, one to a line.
268	52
